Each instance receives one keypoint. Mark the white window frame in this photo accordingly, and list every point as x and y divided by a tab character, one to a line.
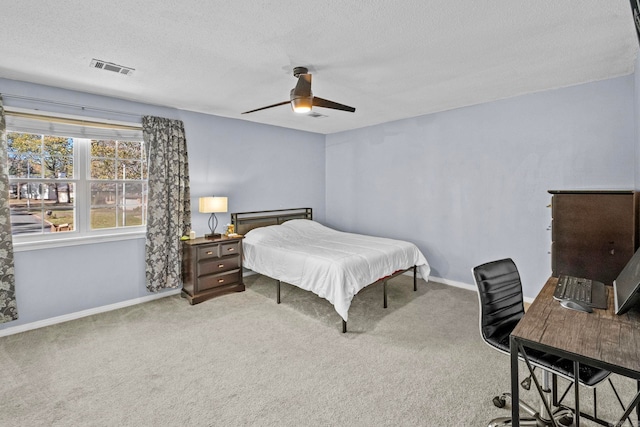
82	233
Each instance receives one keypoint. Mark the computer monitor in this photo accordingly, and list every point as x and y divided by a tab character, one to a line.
626	287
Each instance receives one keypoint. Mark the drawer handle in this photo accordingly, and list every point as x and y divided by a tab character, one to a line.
220	280
231	249
209	252
220	265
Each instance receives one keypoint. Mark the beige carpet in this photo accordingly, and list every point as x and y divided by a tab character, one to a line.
241	359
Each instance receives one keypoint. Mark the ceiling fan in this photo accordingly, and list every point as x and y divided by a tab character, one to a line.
301	97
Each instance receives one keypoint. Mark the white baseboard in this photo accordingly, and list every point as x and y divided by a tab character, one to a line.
84	313
466	286
454	283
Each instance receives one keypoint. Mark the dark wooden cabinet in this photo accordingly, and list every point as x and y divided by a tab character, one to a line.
211	267
594	233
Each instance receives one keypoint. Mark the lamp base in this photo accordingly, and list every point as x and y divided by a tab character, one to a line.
213	236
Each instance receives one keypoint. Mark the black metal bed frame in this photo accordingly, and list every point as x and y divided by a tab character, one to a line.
246	221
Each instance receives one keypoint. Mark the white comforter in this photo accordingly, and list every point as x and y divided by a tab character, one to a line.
332	264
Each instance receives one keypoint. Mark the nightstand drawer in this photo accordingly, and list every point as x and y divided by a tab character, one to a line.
213	281
229	248
209	251
219	265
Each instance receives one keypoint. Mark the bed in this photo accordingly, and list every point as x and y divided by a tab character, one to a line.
287	245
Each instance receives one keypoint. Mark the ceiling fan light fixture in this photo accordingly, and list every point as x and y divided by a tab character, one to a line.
301	105
301	98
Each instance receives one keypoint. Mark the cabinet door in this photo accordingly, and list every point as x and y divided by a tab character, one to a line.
593	234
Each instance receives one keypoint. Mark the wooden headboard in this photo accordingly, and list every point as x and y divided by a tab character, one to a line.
247	221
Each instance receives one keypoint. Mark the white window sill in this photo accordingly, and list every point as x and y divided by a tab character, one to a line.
75	241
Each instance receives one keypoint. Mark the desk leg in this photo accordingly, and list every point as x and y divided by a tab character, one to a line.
515	397
633	405
576	389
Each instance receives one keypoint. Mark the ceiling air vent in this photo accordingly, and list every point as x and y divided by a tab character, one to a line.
110	66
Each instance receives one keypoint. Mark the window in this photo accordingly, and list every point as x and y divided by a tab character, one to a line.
42	192
62	185
118	184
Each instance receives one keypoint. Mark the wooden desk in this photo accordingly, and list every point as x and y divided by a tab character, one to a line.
600	339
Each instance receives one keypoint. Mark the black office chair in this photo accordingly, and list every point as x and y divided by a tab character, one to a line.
501	308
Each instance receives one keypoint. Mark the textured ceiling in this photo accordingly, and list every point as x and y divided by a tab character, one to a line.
389	59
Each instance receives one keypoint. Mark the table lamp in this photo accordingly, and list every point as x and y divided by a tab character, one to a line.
213	205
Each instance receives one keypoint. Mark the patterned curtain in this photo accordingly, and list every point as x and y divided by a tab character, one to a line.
169	201
8	307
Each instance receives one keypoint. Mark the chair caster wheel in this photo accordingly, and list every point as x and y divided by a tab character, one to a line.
566	420
499	401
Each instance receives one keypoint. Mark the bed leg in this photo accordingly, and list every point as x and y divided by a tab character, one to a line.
384	291
278	293
344	326
415	283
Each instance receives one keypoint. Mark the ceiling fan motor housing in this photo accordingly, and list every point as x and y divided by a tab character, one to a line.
300	70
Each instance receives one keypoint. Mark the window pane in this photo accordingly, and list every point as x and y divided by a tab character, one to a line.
105	149
24	151
58	167
25	220
20	167
103	205
42	207
37	156
130	169
130	150
103	217
57	161
135	192
131	209
103	169
61	218
103	194
130	216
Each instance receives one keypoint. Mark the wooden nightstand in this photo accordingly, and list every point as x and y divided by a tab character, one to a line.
211	267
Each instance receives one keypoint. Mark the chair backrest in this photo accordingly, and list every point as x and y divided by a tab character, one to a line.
501	302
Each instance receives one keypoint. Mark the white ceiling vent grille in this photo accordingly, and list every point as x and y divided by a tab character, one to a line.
110	66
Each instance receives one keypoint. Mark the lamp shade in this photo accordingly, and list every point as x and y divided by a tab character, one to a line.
213	204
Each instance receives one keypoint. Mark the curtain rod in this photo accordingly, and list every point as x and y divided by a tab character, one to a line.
65	104
71	121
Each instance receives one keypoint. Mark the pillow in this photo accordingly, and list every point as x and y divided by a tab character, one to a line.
261	233
304	225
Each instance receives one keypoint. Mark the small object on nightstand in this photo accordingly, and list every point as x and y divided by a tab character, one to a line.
192	235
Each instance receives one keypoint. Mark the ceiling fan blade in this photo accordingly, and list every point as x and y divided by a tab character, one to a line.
320	102
303	87
268	106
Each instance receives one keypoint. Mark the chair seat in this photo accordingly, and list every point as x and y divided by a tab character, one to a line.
588	375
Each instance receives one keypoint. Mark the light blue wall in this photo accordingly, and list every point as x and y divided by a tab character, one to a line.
257	166
470	185
467	185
